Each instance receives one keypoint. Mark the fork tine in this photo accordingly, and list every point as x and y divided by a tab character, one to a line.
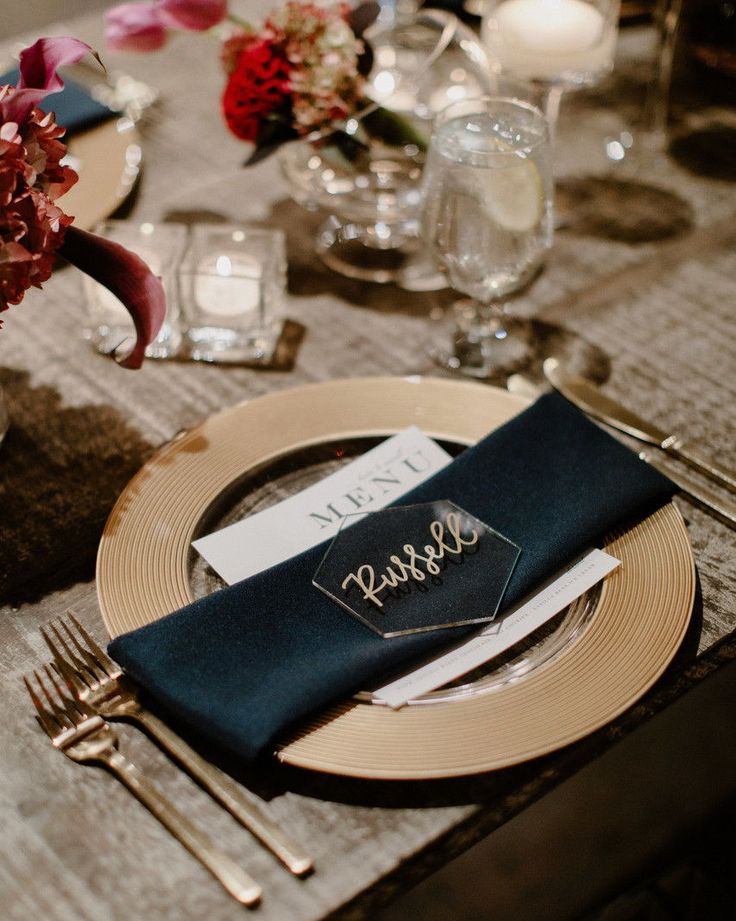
59	712
48	722
73	677
79	664
74	708
93	665
112	668
87	660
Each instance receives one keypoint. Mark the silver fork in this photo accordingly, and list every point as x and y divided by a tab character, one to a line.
85	737
100	683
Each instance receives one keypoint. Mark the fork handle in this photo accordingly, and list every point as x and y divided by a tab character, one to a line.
235	880
247	811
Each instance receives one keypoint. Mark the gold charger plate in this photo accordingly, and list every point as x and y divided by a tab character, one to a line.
109	156
636	625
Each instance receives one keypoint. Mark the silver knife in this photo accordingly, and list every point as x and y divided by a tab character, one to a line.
722	508
587	396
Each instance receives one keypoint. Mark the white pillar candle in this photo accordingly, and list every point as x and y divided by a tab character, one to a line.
546	39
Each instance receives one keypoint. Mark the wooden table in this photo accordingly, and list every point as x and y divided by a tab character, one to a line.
74	844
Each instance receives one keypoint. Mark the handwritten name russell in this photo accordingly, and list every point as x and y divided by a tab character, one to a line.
414	565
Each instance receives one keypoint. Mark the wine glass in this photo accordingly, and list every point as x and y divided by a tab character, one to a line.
643	145
556	44
487	217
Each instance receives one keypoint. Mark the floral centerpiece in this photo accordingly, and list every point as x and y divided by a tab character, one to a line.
302	73
352	137
34	229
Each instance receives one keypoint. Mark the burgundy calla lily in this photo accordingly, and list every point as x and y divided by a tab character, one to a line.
38	77
129	279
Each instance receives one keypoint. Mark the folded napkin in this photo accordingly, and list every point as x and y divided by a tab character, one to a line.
74	107
244	663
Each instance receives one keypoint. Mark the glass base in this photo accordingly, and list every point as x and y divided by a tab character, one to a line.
113	337
229	346
379	253
485	343
543	340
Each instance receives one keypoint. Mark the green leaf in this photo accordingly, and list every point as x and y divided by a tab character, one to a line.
346	151
393	129
275	130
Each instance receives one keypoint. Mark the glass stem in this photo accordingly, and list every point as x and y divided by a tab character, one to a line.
552	99
667	18
494	314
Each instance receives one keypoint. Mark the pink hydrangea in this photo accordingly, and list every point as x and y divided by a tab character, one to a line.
33	229
31	178
323	52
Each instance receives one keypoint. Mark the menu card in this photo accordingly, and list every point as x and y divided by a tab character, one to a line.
371	482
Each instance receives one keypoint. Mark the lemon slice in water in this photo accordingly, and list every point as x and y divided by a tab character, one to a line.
514	196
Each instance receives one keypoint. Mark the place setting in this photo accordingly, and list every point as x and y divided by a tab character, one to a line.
376	576
237	666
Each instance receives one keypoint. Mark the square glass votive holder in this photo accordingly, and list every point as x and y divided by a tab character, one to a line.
109	324
232	284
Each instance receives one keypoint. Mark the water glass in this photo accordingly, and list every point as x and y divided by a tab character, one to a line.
233	280
109	324
487	217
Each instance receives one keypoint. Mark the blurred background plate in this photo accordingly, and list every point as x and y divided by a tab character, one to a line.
107	158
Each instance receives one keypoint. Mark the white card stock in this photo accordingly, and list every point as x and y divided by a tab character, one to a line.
500	635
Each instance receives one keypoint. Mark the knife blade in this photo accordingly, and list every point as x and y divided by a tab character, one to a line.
722	508
587	396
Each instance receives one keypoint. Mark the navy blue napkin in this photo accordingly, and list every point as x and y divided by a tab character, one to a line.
244	663
74	108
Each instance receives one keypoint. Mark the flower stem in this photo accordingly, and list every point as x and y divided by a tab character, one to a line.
236	20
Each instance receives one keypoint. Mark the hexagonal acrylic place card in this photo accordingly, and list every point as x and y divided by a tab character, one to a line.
411	568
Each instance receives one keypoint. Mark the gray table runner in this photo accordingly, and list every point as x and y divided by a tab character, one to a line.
662	312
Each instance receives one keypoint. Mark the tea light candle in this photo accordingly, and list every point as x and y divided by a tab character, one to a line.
545	39
228	285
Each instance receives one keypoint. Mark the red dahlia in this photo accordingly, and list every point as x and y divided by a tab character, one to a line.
258	86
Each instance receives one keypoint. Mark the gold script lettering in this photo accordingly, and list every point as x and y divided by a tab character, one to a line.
448	539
